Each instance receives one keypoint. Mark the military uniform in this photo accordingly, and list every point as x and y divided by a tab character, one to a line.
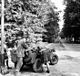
20	53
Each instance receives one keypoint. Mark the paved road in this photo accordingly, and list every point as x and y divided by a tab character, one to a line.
68	65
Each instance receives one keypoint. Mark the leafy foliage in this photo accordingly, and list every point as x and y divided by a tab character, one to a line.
28	19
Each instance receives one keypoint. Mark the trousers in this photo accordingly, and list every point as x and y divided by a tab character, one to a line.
19	64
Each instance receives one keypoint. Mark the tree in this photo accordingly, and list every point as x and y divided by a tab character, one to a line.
29	19
71	20
52	26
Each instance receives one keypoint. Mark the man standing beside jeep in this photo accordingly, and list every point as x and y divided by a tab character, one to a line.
21	47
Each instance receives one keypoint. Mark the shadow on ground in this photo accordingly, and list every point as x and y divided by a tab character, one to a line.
27	68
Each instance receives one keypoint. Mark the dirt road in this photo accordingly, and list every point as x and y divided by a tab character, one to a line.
69	59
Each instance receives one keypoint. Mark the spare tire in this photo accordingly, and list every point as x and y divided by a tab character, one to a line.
37	66
54	59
